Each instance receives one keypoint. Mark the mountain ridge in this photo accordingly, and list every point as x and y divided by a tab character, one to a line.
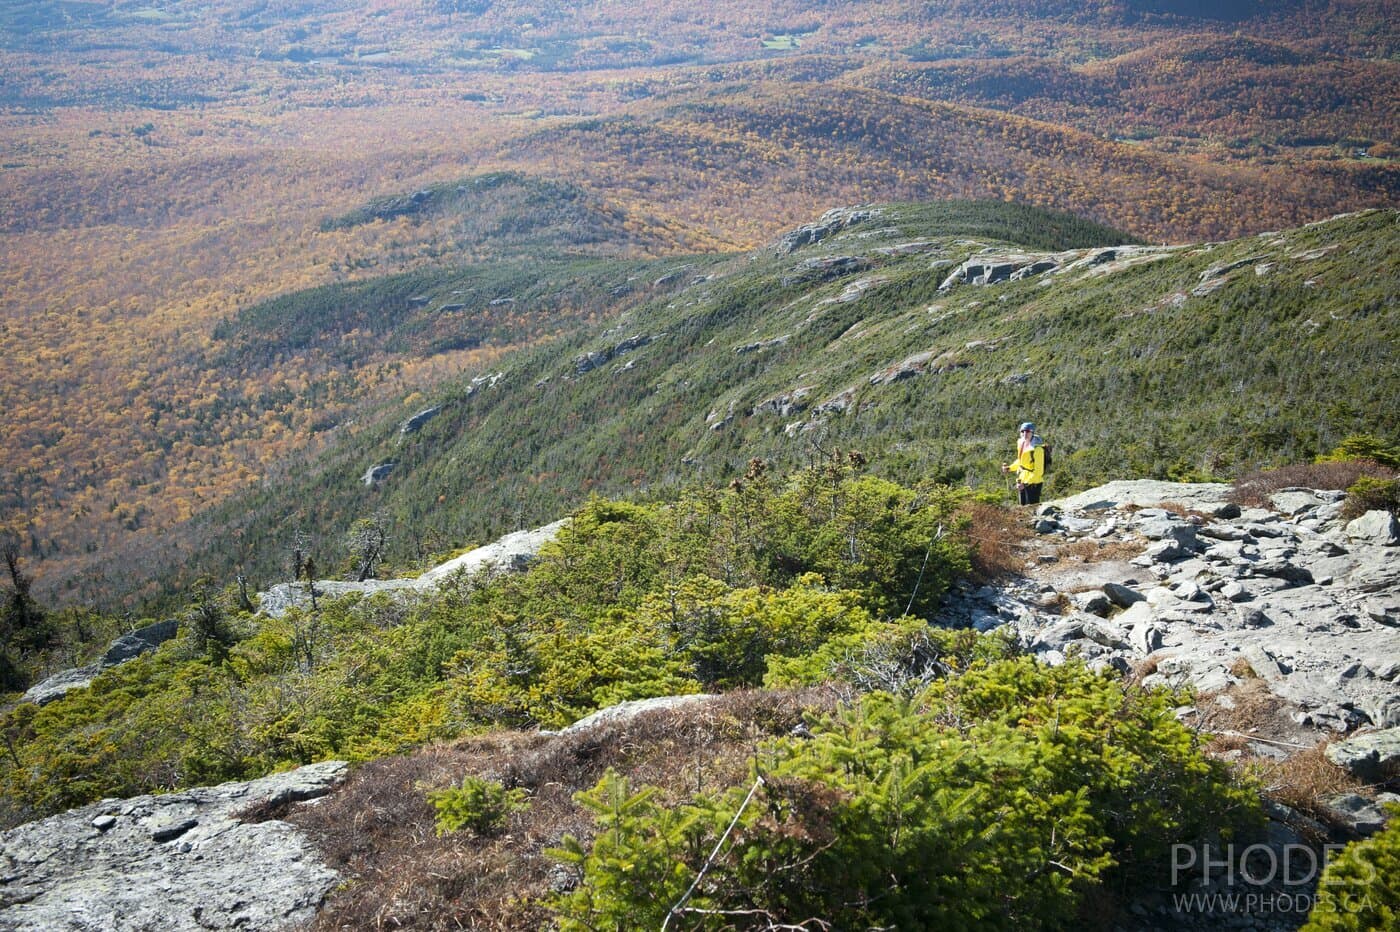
853	342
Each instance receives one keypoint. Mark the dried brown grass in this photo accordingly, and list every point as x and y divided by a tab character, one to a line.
1253	489
996	535
1088	550
379	830
1248	706
1181	511
1304	779
1301	780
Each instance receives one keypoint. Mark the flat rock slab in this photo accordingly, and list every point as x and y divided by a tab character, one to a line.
1077	577
182	861
1146	493
511	552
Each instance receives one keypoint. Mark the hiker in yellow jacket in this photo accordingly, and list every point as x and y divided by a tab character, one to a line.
1029	466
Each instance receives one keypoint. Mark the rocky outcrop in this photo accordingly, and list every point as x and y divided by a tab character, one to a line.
624	712
994	269
587	362
760	345
824	268
1286	595
376	474
129	645
180	861
283	597
833	221
925	363
512	552
416	422
785	405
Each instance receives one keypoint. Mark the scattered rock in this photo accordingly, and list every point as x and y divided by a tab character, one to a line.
163	833
1092	603
1122	596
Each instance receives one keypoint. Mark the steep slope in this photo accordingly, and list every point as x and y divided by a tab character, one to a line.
876	329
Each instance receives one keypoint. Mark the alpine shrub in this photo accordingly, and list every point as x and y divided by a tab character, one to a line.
1360	889
477	806
993	800
1371	494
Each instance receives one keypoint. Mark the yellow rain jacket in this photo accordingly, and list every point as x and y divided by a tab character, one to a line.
1030	463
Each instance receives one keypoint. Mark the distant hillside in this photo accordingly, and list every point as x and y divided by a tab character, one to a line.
498	261
901	140
506	212
1180	362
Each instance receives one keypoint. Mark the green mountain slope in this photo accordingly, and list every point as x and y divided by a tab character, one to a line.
1141	361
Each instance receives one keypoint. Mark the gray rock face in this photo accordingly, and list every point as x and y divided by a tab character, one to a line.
376	474
1356	813
129	645
283	597
823	268
625	711
182	861
918	364
1377	527
58	685
416	422
994	269
590	361
135	643
513	552
831	222
1370	756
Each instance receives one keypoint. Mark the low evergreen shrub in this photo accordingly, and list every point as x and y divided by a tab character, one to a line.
1360	889
1371	494
997	799
476	805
